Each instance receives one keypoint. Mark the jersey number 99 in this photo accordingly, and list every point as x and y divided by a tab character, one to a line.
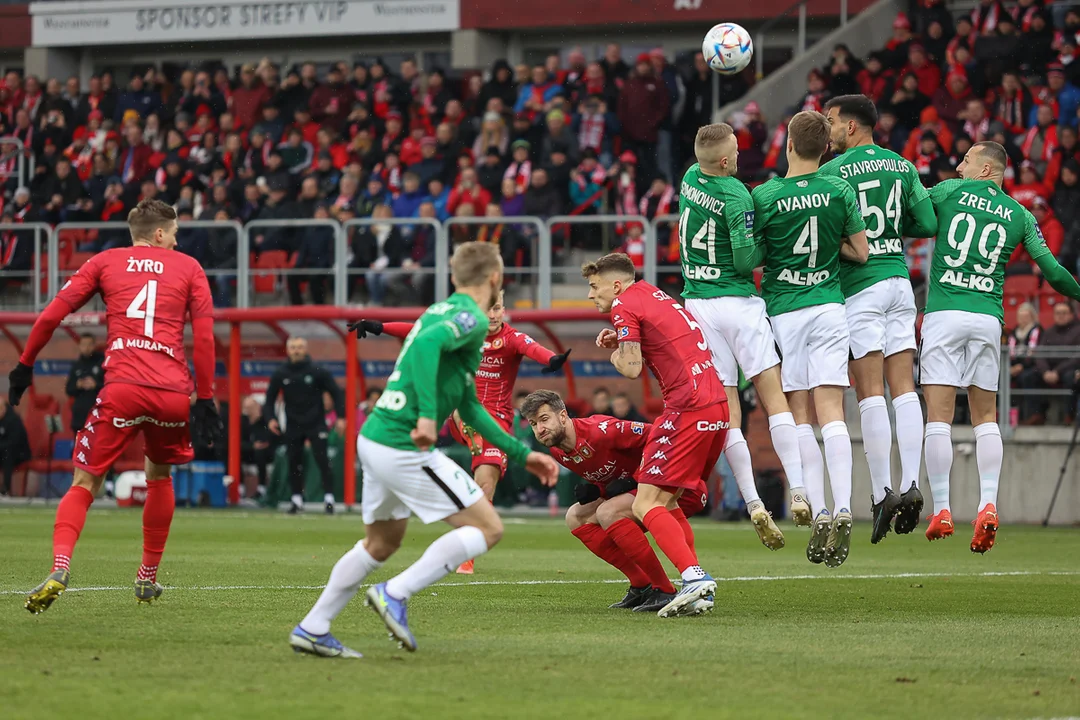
992	233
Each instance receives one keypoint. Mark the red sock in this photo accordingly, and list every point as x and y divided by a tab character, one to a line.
70	519
631	539
594	538
669	536
157	517
688	532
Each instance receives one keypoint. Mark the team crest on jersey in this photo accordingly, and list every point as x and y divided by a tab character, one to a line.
586	452
624	332
496	343
802	183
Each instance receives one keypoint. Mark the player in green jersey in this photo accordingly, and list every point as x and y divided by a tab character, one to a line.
716	237
979	226
880	305
404	475
806	221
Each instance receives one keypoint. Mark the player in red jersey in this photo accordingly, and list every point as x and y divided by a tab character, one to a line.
503	350
148	291
652	329
606	452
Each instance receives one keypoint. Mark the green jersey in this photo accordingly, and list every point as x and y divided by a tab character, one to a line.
888	187
434	375
716	215
979	226
802	221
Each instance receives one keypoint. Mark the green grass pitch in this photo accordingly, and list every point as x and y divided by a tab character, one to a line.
905	629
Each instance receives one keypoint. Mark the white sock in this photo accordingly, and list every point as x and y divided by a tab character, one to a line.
738	457
692	573
813	468
441	558
939	463
909	438
838	458
877	442
988	452
345	580
298	500
785	441
328	498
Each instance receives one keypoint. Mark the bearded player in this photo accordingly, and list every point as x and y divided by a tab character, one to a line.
148	291
979	226
686	440
504	347
880	305
606	451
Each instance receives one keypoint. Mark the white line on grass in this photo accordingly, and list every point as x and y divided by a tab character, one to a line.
736	578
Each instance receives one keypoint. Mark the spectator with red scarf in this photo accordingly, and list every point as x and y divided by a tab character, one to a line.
932	124
1041	140
1011	103
874	79
1030	188
596	125
927	152
1062	97
535	97
919	65
976	122
817	92
965	35
660	199
986	16
951	100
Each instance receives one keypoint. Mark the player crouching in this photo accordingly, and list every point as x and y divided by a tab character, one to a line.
606	452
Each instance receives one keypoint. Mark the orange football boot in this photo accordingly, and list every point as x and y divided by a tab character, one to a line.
941	526
986	526
466	568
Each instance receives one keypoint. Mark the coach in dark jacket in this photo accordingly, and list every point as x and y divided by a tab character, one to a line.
85	380
302	384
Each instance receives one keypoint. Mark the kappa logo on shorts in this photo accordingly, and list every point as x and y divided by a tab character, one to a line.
654	470
85	442
663	440
81	458
668	425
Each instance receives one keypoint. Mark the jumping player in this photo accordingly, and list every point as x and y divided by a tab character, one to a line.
605	452
716	235
148	291
404	474
806	221
979	226
880	305
504	347
686	440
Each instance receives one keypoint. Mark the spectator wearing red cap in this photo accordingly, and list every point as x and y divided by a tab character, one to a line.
951	99
928	73
1060	94
644	106
929	123
896	50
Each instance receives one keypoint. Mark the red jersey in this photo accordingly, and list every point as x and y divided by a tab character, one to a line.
498	365
148	292
671	345
607	449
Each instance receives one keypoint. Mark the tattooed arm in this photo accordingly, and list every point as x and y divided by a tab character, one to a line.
627	359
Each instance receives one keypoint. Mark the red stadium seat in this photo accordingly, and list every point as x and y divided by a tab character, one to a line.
1024	285
266	282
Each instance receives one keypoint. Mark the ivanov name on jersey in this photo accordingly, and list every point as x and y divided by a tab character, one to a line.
865	167
703	199
803	202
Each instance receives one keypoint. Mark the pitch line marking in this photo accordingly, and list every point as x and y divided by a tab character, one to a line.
475	583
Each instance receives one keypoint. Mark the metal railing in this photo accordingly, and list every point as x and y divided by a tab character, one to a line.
440	270
23	159
42	237
541	250
246	275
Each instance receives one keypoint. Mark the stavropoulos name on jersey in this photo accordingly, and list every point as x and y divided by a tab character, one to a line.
803	202
865	167
702	199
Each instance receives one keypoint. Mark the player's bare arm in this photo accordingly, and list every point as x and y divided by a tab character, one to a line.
627	359
855	248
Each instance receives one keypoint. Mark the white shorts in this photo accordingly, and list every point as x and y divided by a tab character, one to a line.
814	345
739	335
881	318
960	349
427	484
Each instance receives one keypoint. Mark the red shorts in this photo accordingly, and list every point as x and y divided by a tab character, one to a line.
122	410
691	501
488	454
683	447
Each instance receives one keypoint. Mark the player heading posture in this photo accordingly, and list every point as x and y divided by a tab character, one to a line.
880	305
606	451
404	474
716	235
148	292
687	439
979	226
504	347
806	221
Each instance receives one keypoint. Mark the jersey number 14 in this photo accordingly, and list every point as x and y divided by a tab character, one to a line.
704	238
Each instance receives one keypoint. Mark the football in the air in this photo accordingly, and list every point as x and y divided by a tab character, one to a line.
727	48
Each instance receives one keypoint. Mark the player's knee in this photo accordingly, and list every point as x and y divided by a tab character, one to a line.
493	531
609	513
380	548
574	517
84	479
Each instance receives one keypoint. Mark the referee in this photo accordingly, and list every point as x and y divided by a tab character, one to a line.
302	385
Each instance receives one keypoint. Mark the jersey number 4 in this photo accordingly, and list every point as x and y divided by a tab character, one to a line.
143	306
891	212
704	238
807	244
992	233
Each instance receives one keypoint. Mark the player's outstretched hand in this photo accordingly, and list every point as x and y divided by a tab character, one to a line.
206	424
555	364
424	434
586	493
620	487
363	328
544	467
19	380
607	339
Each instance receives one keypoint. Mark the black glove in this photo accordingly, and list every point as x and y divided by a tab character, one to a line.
586	493
206	428
620	487
19	380
363	327
555	364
